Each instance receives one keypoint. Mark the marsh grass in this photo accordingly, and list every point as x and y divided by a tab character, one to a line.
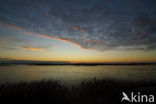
106	91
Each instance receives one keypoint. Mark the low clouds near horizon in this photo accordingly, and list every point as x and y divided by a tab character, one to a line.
32	48
94	24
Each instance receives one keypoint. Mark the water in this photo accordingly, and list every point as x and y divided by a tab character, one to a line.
74	74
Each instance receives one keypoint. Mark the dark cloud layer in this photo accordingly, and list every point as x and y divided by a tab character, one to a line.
95	24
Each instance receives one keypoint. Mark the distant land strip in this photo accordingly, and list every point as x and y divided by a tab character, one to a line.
45	63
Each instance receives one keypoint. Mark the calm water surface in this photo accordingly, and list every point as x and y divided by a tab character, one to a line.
73	74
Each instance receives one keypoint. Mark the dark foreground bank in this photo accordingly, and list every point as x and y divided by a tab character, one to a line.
93	91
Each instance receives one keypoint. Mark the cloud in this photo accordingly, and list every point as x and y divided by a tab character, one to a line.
89	24
54	38
75	27
32	48
10	26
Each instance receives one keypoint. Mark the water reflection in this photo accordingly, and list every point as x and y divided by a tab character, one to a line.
73	74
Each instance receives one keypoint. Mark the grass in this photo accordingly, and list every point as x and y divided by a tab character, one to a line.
106	91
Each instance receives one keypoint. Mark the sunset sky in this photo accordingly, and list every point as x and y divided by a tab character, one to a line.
78	30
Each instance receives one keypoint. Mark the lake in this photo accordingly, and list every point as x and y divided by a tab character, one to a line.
70	74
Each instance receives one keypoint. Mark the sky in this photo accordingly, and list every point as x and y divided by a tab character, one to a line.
78	30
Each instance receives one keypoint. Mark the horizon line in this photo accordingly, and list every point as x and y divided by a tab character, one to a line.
32	62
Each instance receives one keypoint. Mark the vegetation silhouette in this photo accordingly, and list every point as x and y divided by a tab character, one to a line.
94	91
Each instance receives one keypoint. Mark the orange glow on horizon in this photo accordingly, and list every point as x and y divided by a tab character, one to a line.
86	60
